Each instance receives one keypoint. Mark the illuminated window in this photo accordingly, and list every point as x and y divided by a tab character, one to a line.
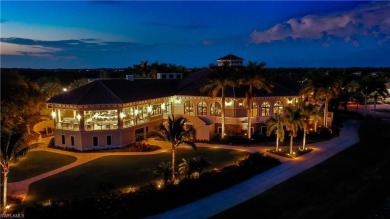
265	108
202	108
278	107
189	108
255	109
215	109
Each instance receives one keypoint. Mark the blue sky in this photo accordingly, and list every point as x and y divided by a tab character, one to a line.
118	34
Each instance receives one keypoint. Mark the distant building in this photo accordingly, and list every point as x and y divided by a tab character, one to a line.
230	60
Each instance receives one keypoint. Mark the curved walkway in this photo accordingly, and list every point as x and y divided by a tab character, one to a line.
20	188
248	189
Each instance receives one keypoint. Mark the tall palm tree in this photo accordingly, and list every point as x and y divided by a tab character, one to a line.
276	125
253	79
19	106
13	147
175	133
219	79
308	111
293	122
323	86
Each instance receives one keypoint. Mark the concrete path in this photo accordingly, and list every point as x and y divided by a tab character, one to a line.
254	186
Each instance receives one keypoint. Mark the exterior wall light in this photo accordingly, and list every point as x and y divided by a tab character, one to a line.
78	117
53	114
163	106
149	109
122	115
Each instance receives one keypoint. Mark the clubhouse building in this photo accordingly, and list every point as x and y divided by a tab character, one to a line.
110	113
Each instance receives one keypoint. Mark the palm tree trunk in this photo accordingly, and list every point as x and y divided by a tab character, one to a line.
291	144
4	188
365	106
173	163
249	118
375	98
277	142
223	114
326	113
304	139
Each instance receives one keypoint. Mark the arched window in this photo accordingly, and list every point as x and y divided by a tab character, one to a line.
255	109
189	108
265	108
278	107
202	108
215	109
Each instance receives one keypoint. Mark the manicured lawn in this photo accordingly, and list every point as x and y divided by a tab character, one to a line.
38	162
352	184
117	172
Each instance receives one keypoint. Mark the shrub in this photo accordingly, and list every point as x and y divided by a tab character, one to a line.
148	199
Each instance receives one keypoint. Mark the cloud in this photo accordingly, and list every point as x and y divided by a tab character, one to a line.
60	48
371	19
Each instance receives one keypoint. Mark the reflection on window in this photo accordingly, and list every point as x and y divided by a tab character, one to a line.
189	108
255	109
202	108
215	109
265	108
278	107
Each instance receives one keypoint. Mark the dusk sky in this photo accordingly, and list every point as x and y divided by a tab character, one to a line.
119	34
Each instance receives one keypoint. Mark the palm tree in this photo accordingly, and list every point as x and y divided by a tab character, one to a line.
191	165
13	147
253	79
175	133
293	122
164	170
19	106
219	79
372	85
308	111
323	86
78	83
51	89
276	124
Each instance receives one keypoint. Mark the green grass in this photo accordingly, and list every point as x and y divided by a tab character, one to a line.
352	184
38	162
118	172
